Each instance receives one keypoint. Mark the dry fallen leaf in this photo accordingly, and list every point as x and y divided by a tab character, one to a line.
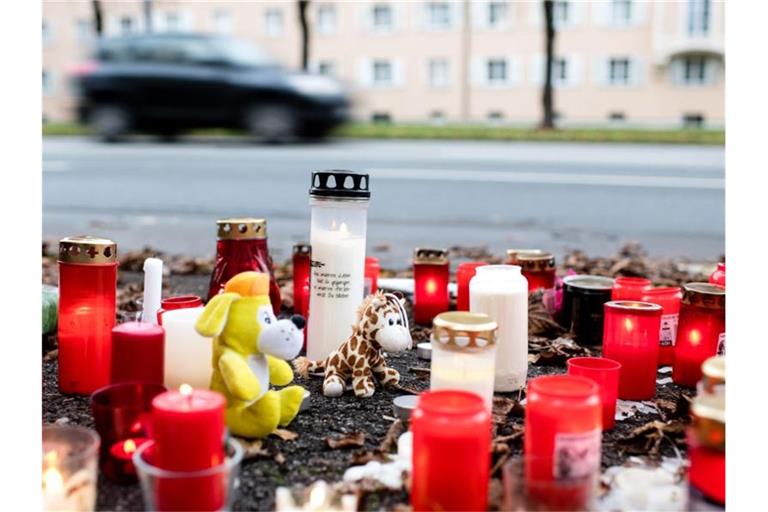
285	435
555	352
646	439
356	438
390	439
253	448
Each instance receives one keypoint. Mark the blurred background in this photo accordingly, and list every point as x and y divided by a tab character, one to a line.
496	124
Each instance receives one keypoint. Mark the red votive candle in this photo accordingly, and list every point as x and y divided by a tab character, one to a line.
631	337
242	246
430	284
138	352
372	271
706	446
701	331
464	273
451	451
302	259
562	437
630	288
718	276
120	459
668	297
605	373
177	302
87	290
538	267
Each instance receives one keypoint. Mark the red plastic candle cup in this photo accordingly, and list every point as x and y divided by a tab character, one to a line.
668	297
87	291
701	331
119	465
302	259
631	337
464	273
538	267
177	302
718	276
372	271
241	247
430	284
630	288
605	373
451	451
706	446
138	350
563	421
120	412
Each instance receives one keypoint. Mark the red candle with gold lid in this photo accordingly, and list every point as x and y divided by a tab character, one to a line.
706	446
431	273
538	267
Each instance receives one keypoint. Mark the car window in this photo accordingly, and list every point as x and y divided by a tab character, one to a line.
160	51
240	53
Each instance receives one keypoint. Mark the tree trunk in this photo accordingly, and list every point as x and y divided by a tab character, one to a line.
547	100
98	18
148	16
303	4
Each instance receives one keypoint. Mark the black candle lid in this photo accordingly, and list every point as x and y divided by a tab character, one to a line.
340	184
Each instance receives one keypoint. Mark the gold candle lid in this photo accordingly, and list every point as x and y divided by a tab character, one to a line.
459	330
533	260
704	295
87	250
708	414
302	248
422	256
244	228
713	374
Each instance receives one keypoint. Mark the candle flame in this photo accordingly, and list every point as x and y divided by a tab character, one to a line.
52	479
628	325
695	337
343	228
318	496
431	286
129	446
185	389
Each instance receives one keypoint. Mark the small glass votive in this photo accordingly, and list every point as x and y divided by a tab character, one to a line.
605	373
315	497
70	469
204	490
121	416
523	492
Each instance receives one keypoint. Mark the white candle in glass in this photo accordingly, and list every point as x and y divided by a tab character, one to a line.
153	289
501	292
188	356
70	468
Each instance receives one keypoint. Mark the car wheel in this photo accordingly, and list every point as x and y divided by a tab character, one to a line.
271	123
109	122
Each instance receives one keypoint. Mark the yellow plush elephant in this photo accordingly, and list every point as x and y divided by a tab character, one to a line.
250	349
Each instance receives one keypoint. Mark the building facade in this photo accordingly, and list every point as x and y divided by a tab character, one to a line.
618	62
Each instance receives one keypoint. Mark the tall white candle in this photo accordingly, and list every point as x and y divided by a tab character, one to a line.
188	356
153	289
501	292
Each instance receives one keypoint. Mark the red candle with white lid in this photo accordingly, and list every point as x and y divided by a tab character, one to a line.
431	274
138	352
668	297
177	302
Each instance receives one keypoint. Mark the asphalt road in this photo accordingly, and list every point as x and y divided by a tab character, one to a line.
424	193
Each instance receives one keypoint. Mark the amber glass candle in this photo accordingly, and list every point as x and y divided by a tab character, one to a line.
631	337
430	284
701	330
668	297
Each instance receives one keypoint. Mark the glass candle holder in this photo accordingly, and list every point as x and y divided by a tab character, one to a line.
605	373
70	469
501	292
563	421
208	489
188	355
242	246
668	297
464	353
316	497
538	267
302	259
451	451
706	446
87	292
137	352
718	276
121	413
713	377
584	298
339	202
524	493
372	271
630	288
464	273
431	273
700	332
178	302
631	337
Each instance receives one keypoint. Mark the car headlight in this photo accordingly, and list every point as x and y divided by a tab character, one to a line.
315	85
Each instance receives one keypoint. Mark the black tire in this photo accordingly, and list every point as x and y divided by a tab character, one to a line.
110	122
271	123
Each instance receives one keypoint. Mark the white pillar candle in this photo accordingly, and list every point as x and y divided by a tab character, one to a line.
501	292
188	356
153	289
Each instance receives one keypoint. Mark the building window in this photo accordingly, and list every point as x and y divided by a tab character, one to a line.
47	83
617	117
222	22
561	11
47	33
497	13
438	14
495	116
437	117
382	73
172	22
695	70
126	25
84	30
560	71
381	117
693	120
497	71
438	73
326	19
618	71
273	22
326	68
621	11
381	15
699	12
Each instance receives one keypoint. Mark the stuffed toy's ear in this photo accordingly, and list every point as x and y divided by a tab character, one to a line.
248	284
214	317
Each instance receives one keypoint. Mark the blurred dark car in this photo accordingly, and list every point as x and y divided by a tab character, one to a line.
169	83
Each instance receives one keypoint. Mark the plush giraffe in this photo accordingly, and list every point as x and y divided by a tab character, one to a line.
382	325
